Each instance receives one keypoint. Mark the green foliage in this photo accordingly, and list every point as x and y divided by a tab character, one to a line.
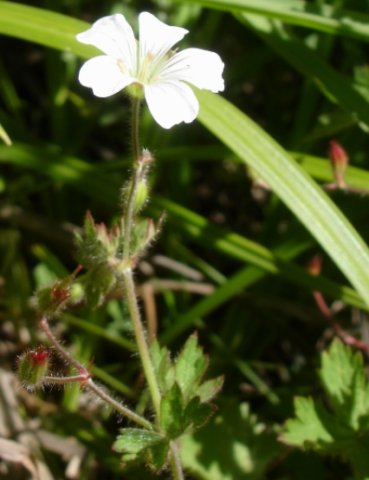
184	404
185	397
246	207
190	366
135	442
344	430
234	445
4	136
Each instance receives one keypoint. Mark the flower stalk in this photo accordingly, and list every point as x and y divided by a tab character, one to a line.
85	380
175	462
129	285
142	346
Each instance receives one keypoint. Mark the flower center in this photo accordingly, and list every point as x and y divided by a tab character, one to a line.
146	69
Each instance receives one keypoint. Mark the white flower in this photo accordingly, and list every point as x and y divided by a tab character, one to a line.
162	73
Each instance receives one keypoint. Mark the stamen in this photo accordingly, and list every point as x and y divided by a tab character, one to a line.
121	65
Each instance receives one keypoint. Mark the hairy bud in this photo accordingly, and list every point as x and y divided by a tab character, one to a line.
33	366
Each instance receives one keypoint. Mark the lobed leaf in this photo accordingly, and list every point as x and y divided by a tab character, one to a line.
135	440
190	367
209	389
345	430
343	376
233	445
163	366
171	412
313	427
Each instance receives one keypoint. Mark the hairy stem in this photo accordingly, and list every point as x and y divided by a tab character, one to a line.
175	463
136	103
130	290
44	325
118	407
84	378
140	336
130	202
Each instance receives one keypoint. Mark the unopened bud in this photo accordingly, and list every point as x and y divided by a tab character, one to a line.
52	300
146	157
339	160
315	265
33	366
141	195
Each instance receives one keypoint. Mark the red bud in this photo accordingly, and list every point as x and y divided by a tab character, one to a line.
315	265
339	160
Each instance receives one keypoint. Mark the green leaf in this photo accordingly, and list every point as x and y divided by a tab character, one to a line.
299	192
190	367
313	427
97	283
344	379
158	454
135	440
209	389
171	412
164	369
234	445
345	430
196	413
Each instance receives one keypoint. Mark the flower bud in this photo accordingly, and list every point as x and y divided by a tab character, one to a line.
146	157
339	160
53	299
33	366
315	265
141	195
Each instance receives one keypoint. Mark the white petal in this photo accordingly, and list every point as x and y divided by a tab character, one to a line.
114	36
171	103
156	38
104	76
200	67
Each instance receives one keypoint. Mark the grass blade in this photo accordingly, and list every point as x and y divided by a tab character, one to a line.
323	18
296	189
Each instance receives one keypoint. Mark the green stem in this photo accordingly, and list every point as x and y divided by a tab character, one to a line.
136	103
175	463
118	407
85	379
140	336
130	202
130	290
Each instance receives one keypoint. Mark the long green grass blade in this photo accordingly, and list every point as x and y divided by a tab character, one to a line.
44	27
4	136
296	189
323	18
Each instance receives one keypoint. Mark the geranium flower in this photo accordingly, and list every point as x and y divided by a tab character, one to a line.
150	65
